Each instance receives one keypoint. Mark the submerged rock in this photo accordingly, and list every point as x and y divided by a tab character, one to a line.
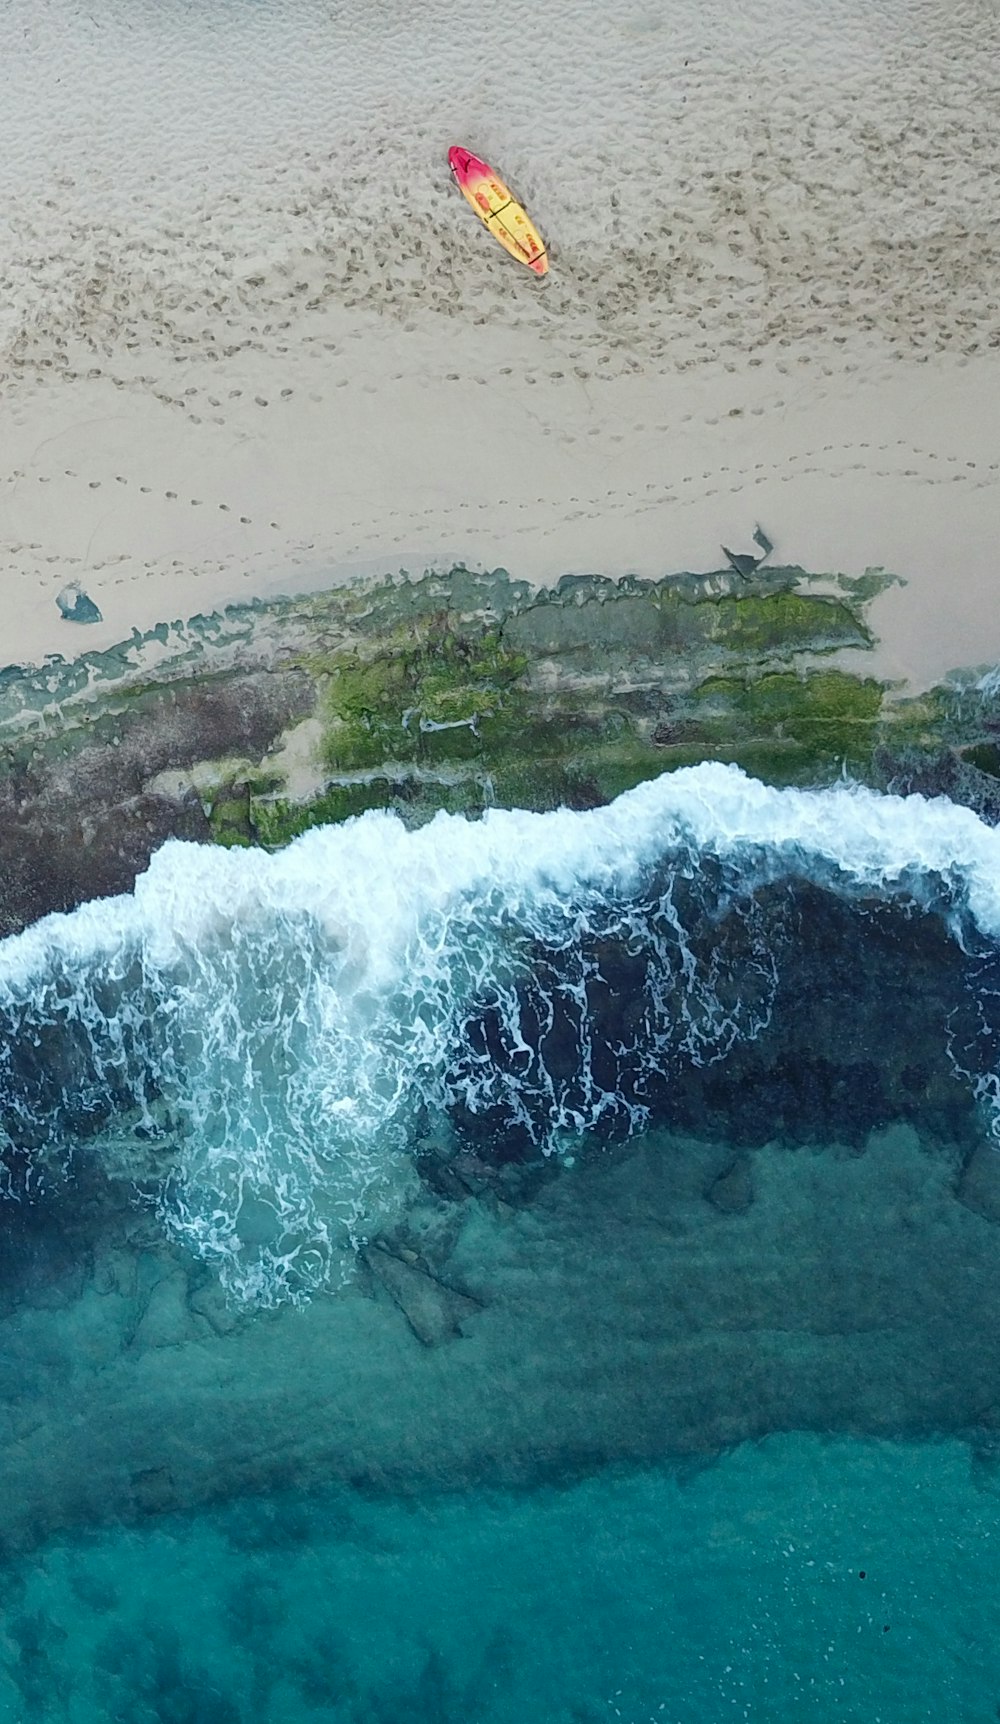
617	1319
979	1186
434	1312
732	1192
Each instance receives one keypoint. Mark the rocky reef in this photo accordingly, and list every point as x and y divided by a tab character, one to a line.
454	690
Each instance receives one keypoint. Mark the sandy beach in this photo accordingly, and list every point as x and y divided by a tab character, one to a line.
254	343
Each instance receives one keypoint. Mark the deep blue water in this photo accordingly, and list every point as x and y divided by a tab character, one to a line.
840	1580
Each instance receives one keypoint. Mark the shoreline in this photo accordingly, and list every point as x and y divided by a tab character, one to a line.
641	474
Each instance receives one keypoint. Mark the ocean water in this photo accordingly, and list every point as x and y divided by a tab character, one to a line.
833	1580
534	1268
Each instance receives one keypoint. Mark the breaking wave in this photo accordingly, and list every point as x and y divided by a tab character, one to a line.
259	1042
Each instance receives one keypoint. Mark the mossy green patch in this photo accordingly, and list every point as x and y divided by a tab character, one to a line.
667	620
276	821
606	769
557	697
416	799
447	696
829	717
783	622
229	816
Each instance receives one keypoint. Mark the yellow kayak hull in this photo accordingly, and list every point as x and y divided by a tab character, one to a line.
498	210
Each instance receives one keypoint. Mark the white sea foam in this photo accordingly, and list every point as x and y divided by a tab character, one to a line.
298	1014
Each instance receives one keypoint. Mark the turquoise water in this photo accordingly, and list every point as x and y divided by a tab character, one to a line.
842	1581
542	1268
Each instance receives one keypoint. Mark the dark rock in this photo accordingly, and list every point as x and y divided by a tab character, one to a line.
209	1301
674	733
979	1185
937	771
75	605
733	1192
434	1312
153	1490
743	565
77	821
855	1036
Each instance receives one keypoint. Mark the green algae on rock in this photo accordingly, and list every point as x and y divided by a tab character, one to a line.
456	690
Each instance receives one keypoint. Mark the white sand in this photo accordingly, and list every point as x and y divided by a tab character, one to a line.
252	339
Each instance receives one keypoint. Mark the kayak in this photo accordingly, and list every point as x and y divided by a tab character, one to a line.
495	206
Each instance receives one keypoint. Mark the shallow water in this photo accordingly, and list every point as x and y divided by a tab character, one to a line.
285	1029
542	1268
